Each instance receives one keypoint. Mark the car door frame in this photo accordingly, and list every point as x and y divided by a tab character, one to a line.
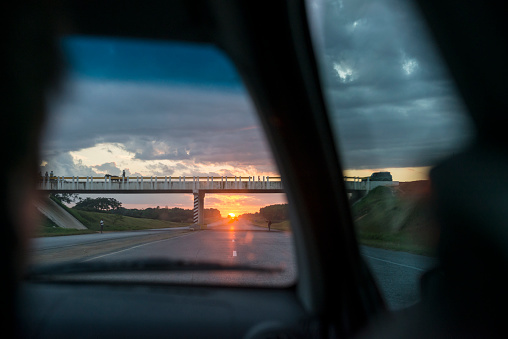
272	50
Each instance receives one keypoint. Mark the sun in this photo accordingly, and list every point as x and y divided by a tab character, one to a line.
231	215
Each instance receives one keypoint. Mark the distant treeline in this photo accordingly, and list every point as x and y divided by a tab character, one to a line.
170	214
113	206
275	213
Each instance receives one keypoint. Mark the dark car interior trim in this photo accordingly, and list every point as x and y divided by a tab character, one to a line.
270	45
273	52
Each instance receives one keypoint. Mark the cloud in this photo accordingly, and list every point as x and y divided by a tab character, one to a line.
160	169
391	102
155	121
108	168
62	163
390	97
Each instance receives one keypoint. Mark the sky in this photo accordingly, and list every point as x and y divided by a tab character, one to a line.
170	108
391	99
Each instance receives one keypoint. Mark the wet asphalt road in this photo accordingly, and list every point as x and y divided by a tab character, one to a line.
397	273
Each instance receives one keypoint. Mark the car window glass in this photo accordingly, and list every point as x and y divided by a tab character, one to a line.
153	150
395	113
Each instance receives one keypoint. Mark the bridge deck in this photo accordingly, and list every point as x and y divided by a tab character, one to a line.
139	185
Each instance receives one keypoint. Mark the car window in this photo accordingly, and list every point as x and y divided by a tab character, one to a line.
395	113
153	156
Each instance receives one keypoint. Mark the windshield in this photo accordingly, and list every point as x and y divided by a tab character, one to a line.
395	113
153	152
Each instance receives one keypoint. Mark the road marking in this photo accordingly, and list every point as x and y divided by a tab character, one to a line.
395	263
130	248
234	253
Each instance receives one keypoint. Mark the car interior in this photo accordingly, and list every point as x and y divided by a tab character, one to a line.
334	294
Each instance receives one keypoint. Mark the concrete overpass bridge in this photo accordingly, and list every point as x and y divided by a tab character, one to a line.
197	185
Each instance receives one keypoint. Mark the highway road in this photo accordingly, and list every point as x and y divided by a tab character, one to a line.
47	243
397	273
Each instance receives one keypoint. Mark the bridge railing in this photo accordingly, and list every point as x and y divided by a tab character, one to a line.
356	179
77	183
161	178
184	183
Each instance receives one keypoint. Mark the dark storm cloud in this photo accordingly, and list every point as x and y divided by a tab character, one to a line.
392	103
391	100
157	100
158	122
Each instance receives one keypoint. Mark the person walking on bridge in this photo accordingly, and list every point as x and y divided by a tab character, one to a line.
102	225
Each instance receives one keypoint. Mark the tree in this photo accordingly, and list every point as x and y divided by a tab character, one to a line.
277	212
212	214
65	197
98	204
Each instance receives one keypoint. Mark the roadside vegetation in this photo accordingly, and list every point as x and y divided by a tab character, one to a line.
278	214
111	223
389	219
93	210
48	228
116	222
396	219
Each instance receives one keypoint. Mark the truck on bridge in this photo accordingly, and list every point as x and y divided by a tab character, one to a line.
379	176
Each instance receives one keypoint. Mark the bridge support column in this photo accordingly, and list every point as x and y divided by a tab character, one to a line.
199	209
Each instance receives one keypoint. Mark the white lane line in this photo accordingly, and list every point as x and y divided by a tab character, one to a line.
395	263
130	248
234	253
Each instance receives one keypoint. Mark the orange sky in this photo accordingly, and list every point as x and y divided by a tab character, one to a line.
225	203
398	174
243	203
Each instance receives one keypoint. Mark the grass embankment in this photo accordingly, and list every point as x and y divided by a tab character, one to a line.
112	222
386	220
115	222
49	229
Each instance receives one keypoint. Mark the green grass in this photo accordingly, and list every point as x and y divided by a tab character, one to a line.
394	242
59	231
384	220
115	222
112	222
48	228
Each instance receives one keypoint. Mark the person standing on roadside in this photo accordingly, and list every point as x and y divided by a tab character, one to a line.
269	224
102	225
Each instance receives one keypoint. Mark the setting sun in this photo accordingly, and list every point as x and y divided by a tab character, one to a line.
231	215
